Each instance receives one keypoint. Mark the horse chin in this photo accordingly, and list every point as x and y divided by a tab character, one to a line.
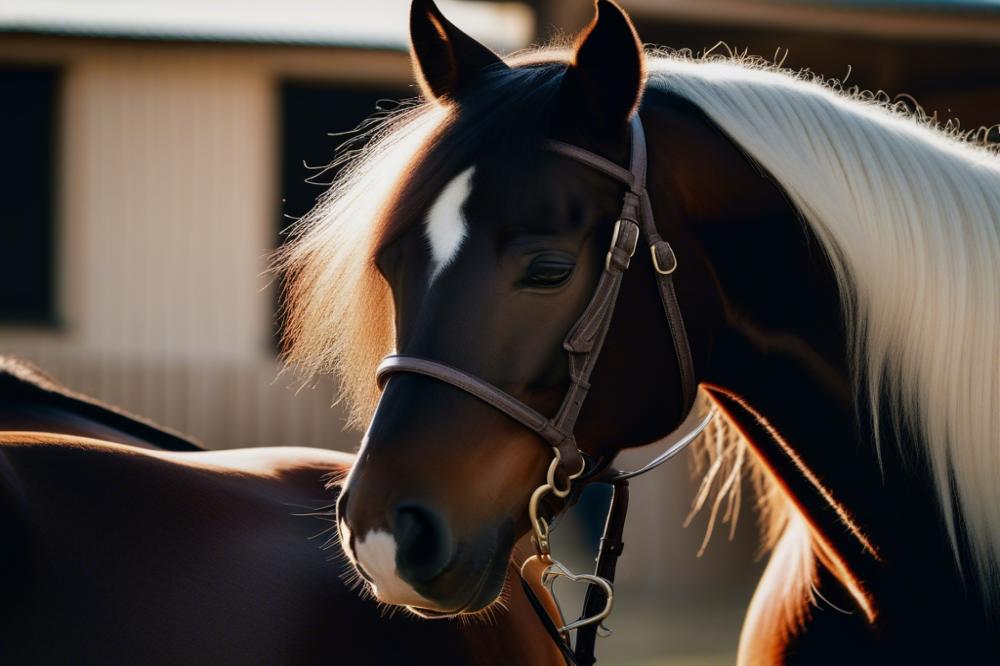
488	593
487	575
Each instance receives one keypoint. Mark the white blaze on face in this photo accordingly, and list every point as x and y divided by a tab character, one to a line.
446	226
377	554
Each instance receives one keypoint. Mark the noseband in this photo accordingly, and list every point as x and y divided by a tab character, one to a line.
583	345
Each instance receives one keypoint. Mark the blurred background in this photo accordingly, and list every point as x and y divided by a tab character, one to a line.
152	152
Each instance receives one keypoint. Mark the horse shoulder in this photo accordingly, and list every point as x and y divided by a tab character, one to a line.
167	556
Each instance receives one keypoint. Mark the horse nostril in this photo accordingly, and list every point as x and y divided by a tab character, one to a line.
423	543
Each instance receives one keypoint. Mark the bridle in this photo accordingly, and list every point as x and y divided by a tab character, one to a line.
570	469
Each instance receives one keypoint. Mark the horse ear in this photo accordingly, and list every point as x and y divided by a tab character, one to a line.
604	82
445	59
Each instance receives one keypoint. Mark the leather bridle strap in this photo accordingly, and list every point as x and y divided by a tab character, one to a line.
608	552
637	207
472	385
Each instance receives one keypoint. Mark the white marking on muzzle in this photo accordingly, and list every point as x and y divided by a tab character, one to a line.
446	226
377	555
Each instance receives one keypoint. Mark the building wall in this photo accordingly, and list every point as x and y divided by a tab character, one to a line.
167	213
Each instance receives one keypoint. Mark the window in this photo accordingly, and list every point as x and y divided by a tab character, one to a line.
312	114
28	120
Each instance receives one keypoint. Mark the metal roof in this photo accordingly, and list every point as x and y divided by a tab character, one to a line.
962	6
352	23
940	21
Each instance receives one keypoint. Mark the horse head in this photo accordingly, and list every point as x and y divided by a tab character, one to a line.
493	250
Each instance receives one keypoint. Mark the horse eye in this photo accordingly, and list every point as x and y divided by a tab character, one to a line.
549	270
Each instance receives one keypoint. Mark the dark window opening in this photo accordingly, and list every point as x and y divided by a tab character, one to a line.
316	119
28	125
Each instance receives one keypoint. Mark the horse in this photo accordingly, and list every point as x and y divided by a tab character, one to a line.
835	261
125	543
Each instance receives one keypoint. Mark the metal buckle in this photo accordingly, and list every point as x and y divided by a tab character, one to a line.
614	241
656	260
538	524
558	570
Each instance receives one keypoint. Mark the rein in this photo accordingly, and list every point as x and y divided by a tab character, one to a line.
569	470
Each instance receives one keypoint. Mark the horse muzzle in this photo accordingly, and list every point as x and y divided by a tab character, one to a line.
416	560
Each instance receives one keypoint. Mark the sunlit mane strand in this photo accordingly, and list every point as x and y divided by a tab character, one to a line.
337	308
908	214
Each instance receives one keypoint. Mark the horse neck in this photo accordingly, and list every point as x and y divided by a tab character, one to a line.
778	369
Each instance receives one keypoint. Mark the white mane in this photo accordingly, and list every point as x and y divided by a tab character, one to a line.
910	216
